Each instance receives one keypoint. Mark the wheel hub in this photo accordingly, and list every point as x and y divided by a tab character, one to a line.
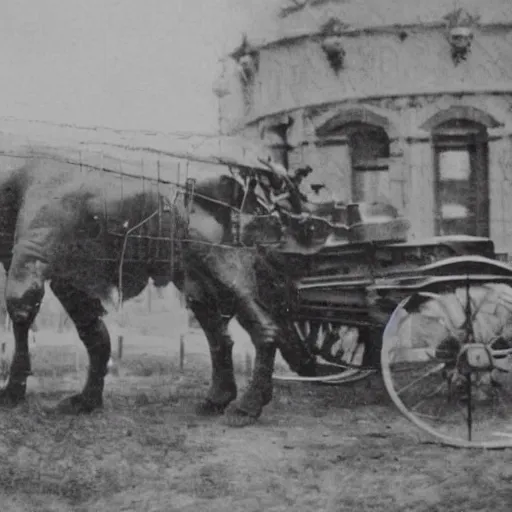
475	357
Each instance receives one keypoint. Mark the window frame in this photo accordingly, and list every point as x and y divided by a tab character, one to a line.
472	137
370	165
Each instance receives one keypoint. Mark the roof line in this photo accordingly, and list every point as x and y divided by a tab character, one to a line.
376	29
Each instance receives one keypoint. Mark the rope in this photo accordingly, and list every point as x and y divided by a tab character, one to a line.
158	180
123	251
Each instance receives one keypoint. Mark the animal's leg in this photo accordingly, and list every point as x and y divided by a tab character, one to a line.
259	390
223	385
295	352
24	293
233	271
266	337
86	312
258	393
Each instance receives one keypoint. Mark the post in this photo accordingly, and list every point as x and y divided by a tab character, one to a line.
3	348
120	340
182	351
121	323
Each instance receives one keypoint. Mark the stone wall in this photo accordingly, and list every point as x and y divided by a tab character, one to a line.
296	74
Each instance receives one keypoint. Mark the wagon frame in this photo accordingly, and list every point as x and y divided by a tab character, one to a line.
382	300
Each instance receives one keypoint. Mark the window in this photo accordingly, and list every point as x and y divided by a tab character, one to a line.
369	154
278	144
461	178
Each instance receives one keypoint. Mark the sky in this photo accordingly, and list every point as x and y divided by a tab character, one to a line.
129	64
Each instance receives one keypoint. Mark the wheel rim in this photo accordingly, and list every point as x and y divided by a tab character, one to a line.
425	367
337	350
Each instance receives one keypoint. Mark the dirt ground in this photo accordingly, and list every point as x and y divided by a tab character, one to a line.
316	448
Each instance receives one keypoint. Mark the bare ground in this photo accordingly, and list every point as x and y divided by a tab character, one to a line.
316	448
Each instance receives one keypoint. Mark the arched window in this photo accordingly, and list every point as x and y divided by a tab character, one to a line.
369	154
461	182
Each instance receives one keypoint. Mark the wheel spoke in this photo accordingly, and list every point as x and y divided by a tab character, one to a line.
436	369
430	395
299	331
336	348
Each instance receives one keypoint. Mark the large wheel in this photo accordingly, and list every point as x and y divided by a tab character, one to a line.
339	352
447	364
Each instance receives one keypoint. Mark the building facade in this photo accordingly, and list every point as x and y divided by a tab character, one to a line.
386	102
